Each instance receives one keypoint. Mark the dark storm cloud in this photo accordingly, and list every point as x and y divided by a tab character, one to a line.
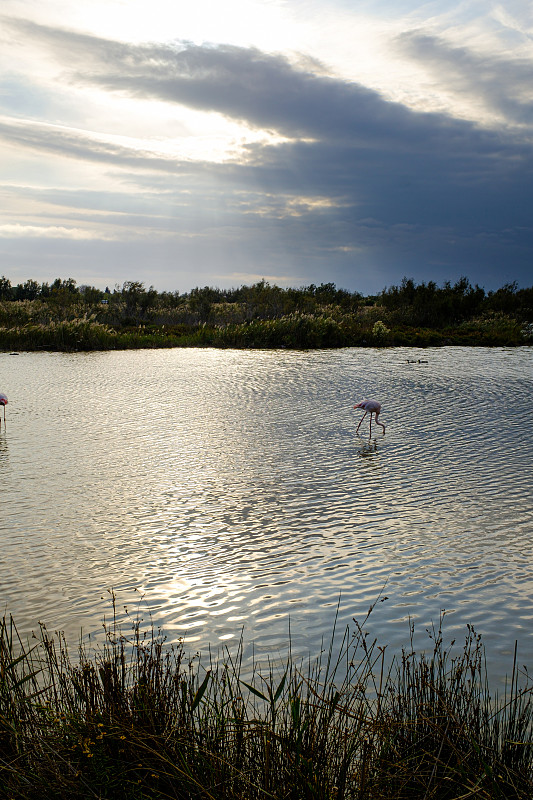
406	187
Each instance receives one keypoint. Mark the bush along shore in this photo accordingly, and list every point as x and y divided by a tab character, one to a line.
133	718
66	317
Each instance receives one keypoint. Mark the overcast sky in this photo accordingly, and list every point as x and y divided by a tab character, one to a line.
185	144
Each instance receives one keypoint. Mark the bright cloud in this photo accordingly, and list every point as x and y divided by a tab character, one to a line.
45	232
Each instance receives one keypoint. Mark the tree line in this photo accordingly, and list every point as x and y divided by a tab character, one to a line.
425	304
267	315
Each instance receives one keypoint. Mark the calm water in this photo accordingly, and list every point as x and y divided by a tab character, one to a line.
222	489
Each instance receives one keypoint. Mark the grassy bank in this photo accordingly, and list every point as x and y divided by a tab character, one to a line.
296	331
135	719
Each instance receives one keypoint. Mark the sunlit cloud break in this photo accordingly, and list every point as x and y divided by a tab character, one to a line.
18	231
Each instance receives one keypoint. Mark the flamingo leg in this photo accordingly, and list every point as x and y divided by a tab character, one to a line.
370	424
360	421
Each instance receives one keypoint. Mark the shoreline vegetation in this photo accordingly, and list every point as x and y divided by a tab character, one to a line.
68	318
135	719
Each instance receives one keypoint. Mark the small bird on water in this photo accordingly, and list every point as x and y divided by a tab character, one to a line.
370	407
3	402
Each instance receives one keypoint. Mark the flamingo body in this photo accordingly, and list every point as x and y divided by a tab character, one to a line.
370	407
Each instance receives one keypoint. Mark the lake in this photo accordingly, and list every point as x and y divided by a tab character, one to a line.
221	490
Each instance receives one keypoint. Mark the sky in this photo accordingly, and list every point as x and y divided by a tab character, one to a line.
210	143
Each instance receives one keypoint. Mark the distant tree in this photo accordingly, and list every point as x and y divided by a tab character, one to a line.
91	295
148	300
68	285
137	299
504	299
132	292
201	301
30	290
427	305
63	293
6	291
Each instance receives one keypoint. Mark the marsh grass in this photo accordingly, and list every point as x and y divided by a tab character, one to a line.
25	328
136	718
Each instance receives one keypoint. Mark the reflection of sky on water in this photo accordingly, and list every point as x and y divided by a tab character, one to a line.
229	489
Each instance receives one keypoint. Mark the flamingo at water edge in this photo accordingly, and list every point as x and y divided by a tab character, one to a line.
370	407
3	402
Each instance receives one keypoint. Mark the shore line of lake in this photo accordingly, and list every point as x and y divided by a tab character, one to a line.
297	332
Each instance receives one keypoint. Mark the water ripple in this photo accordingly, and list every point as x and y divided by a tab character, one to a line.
222	489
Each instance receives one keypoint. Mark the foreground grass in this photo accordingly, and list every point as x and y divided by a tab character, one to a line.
134	718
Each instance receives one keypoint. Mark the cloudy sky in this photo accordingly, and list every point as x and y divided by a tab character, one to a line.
215	143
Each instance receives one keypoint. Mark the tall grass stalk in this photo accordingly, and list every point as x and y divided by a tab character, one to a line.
134	717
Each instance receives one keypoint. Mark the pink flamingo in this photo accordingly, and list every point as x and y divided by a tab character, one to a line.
3	402
370	407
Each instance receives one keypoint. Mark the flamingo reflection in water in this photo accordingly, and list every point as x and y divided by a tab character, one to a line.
370	407
3	402
367	449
